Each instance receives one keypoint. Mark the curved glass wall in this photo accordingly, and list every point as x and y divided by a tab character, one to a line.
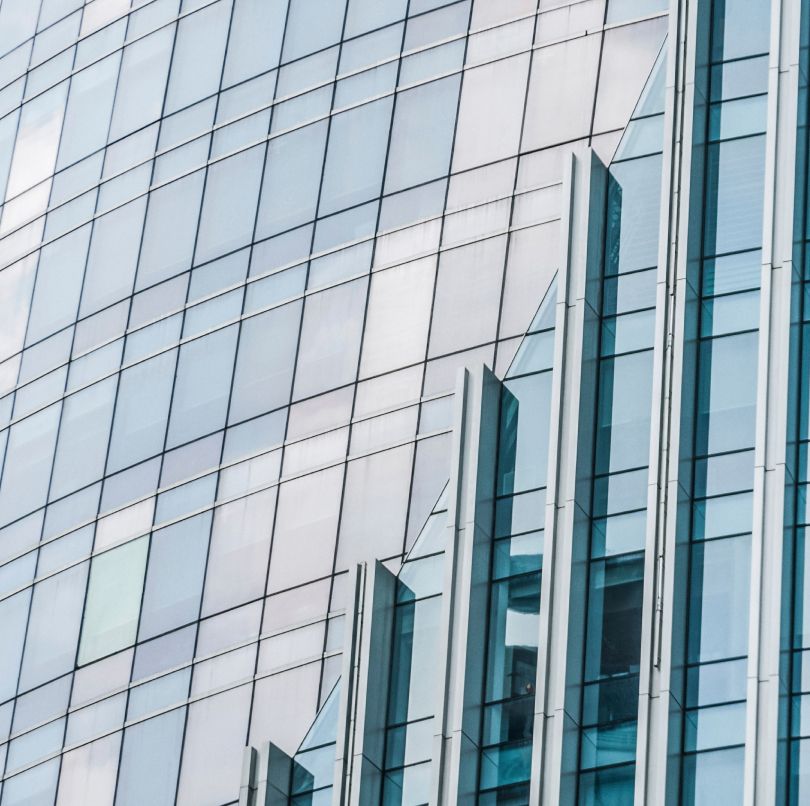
244	247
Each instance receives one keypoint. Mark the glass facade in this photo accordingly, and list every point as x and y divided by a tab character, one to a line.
403	402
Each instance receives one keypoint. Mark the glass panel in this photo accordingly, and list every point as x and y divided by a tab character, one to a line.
113	600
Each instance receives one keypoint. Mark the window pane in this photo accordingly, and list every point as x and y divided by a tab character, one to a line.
469	281
53	631
330	339
255	41
398	317
239	547
422	134
141	411
89	107
149	761
202	386
265	362
735	176
37	140
229	209
88	773
198	52
491	112
13	619
212	756
366	15
115	242
304	540
141	85
720	587
83	436
174	581
170	229
555	112
59	284
302	36
356	155
291	179
113	600
28	464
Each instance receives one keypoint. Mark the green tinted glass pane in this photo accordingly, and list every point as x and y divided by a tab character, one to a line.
113	600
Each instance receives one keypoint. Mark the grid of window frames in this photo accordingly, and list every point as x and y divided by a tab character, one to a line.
313	766
212	214
415	641
513	628
624	375
730	145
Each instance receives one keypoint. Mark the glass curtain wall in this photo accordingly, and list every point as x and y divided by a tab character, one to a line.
719	396
412	693
516	565
793	779
313	766
624	373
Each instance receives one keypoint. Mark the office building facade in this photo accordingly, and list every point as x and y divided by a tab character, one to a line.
404	402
